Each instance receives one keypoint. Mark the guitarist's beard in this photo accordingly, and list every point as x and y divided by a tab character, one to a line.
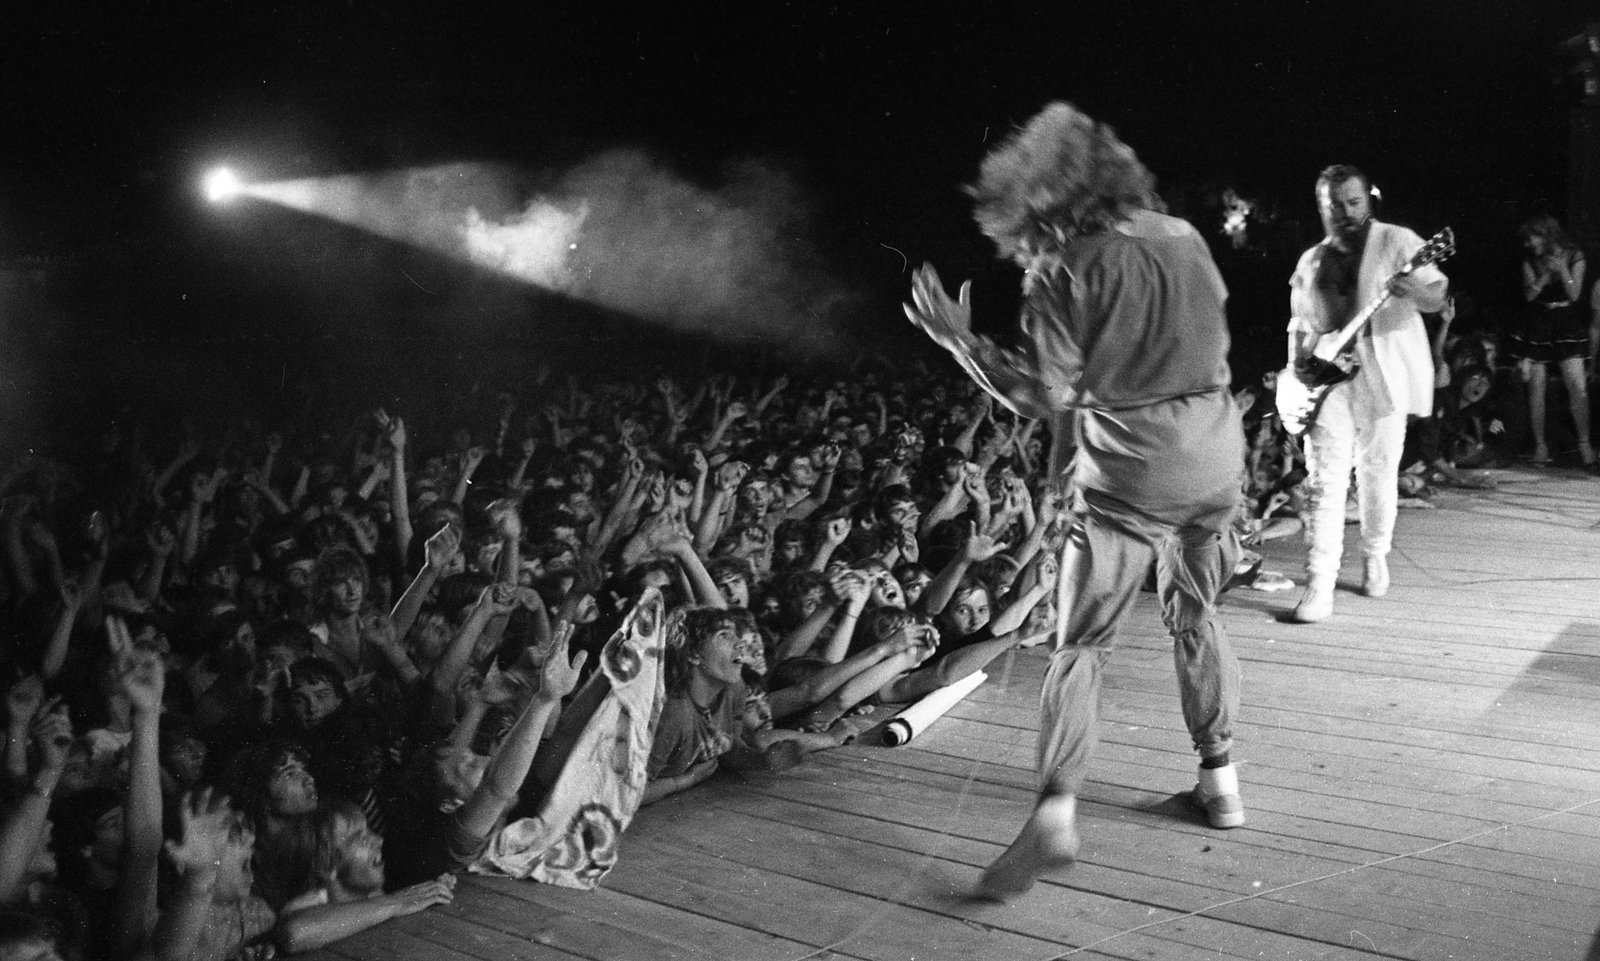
1349	234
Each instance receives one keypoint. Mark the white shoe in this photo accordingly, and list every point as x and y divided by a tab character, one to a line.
1315	604
1375	577
1217	794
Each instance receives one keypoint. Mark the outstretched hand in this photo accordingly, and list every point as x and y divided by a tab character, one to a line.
419	897
948	322
207	822
559	676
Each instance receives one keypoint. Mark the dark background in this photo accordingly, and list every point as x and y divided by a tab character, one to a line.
120	285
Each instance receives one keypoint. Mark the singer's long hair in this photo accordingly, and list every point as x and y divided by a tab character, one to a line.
1060	177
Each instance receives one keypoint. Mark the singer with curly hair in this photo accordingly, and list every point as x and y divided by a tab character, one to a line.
1123	351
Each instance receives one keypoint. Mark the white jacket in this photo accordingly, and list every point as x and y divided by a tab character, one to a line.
1396	361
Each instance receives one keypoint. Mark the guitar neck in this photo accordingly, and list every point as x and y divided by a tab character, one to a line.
1438	247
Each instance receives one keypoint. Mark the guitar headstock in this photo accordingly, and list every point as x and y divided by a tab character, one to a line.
1441	246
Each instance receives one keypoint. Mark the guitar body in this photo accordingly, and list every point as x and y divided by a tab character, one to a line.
1304	387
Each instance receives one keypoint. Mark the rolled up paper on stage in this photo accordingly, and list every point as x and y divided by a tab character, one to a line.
916	718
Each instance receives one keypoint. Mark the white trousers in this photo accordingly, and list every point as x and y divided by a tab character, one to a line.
1350	433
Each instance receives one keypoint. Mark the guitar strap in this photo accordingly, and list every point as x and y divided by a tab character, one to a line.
1337	281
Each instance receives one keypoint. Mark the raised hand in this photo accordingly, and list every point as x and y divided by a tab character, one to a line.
494	687
980	547
826	457
51	734
559	677
906	540
118	597
730	475
206	826
735	411
119	640
852	588
974	484
143	681
499	598
1051	504
378	630
948	322
472	457
274	443
23	701
442	547
836	531
203	487
506	519
71	595
1044	571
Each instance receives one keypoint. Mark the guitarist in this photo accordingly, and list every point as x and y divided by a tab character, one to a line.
1362	422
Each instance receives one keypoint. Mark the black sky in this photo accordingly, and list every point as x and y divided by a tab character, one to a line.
881	111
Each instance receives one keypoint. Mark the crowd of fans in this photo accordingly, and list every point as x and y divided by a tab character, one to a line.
271	684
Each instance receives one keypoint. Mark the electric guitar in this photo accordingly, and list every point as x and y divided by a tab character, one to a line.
1304	384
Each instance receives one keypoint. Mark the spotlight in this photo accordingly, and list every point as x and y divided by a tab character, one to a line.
222	185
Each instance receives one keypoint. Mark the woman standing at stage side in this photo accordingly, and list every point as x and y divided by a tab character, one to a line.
1554	329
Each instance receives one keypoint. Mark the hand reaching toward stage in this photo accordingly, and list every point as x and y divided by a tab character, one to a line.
948	322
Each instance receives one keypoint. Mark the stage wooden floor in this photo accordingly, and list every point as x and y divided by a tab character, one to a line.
1422	776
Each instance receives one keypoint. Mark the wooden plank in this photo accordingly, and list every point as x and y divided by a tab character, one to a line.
439	934
1067	917
694	934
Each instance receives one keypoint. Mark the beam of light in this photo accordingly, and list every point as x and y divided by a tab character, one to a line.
222	185
618	231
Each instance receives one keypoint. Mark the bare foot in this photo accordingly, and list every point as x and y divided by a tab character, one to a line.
1049	840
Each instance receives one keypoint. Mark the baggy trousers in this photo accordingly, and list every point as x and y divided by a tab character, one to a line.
1106	559
1350	431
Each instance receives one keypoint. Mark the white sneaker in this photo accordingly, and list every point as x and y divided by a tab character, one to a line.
1217	794
1375	577
1315	604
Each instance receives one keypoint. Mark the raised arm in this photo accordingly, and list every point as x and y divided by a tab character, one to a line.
511	762
316	927
22	829
1022	377
23	703
853	589
835	531
470	461
1037	581
55	653
495	600
440	549
142	682
729	476
977	547
207	823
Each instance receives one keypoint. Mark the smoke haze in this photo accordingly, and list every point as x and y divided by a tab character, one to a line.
621	231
